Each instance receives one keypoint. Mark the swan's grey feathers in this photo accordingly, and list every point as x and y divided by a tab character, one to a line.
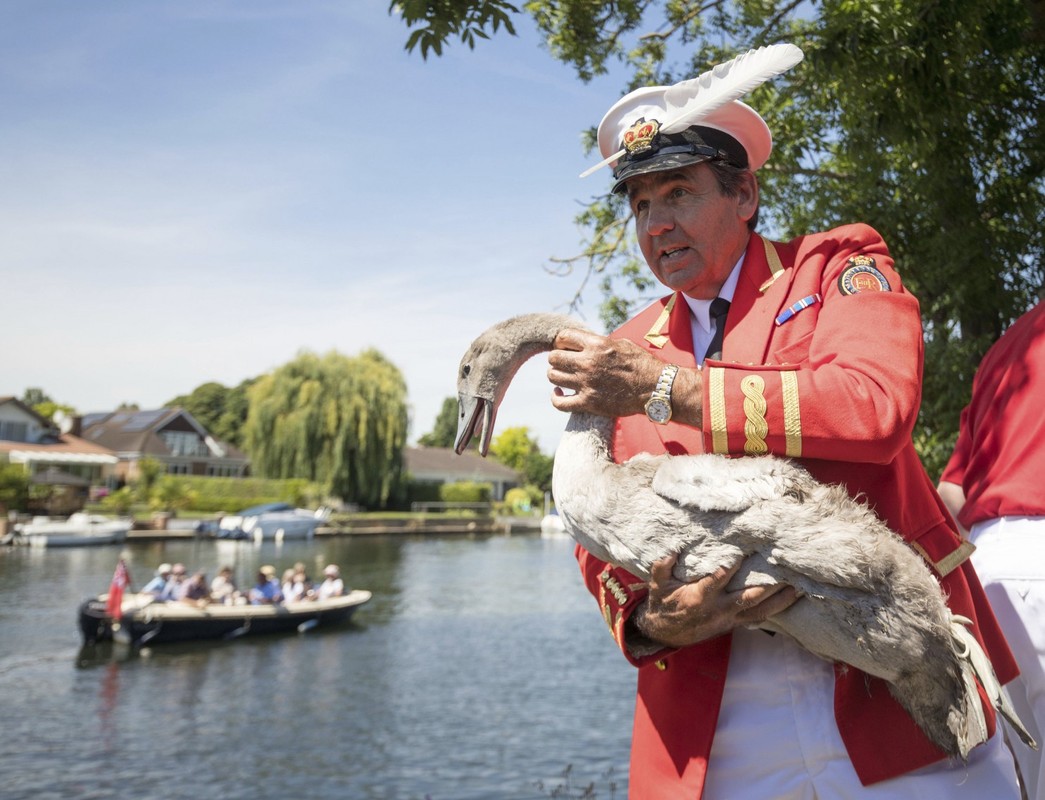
700	482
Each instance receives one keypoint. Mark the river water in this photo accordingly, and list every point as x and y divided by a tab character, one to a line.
480	669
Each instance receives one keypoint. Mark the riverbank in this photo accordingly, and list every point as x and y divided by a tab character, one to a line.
420	524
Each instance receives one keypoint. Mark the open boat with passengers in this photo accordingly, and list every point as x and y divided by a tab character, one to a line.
145	620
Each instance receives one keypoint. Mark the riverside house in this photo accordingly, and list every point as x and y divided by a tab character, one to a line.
437	465
53	456
171	436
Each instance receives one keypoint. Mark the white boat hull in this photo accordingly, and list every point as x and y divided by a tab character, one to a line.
79	530
297	523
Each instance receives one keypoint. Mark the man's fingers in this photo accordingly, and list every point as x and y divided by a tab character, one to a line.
573	339
722	576
661	570
759	603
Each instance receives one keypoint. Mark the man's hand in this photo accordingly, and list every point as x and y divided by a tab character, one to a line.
676	614
614	377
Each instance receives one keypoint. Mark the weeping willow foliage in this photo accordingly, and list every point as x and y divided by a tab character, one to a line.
336	420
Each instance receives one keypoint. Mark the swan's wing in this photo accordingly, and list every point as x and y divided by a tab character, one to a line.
716	483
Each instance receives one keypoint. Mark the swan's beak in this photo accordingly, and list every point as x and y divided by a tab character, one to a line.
475	416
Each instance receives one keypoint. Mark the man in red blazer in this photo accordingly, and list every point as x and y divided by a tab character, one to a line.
993	485
820	361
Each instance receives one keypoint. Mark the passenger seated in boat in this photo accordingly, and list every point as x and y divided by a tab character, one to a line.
223	587
158	582
194	591
172	589
266	590
286	581
333	585
298	588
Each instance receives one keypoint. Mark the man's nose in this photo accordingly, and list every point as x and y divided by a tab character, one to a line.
659	219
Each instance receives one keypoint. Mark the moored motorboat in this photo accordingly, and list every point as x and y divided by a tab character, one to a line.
144	620
78	530
276	521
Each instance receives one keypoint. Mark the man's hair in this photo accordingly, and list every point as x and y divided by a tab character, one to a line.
730	177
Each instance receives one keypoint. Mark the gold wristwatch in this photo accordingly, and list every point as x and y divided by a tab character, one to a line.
658	407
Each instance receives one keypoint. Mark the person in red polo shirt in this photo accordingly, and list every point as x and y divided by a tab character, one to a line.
994	484
818	357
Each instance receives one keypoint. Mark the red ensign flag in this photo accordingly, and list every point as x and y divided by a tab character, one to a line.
121	579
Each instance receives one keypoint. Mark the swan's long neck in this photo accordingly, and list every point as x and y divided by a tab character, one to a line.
583	455
588	439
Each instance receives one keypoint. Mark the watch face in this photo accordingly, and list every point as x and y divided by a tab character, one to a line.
658	410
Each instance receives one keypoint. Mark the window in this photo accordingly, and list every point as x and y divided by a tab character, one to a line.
14	431
182	443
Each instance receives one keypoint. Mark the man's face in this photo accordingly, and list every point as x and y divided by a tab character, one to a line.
690	233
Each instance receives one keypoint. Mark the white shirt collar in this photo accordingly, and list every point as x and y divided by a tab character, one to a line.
700	310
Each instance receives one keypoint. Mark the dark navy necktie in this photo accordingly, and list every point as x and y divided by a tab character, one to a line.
719	309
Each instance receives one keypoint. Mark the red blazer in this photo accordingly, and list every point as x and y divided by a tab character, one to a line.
998	460
822	362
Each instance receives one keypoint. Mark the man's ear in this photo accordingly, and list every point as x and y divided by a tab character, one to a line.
747	196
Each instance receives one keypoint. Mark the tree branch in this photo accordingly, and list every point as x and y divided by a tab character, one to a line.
696	12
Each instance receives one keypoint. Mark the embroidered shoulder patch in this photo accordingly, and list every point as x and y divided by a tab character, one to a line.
862	276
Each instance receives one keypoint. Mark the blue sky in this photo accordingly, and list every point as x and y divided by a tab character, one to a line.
197	190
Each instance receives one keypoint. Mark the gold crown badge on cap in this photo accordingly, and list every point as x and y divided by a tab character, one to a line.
639	137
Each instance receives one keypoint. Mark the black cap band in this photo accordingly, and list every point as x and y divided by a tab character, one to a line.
693	145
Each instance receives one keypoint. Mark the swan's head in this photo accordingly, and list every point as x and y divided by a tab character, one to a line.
481	385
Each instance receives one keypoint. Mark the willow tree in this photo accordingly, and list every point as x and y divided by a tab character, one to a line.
919	117
336	420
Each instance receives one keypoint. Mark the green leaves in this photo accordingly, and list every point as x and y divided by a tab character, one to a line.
435	22
444	433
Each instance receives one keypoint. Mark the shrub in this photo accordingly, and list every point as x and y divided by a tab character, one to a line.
118	502
217	495
465	492
171	494
14	488
517	501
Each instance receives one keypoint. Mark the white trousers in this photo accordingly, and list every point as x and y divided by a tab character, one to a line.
777	738
1010	560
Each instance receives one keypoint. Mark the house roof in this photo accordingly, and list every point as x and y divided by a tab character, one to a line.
138	432
68	449
129	431
444	464
9	400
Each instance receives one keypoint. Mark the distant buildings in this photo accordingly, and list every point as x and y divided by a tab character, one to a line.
106	449
437	465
